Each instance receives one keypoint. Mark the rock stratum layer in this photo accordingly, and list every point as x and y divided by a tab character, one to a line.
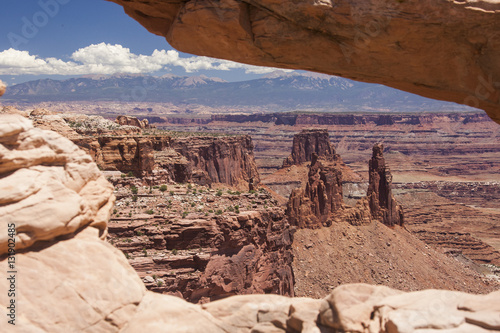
445	50
73	281
123	146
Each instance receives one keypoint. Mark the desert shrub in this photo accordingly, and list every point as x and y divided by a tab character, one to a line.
218	212
163	188
134	189
150	212
219	193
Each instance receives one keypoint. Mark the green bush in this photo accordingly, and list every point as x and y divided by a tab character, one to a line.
163	188
219	193
130	174
171	192
218	212
174	252
134	189
150	212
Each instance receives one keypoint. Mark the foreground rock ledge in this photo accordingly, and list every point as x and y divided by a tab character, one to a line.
444	49
70	280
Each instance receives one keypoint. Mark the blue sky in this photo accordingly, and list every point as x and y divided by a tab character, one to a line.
65	38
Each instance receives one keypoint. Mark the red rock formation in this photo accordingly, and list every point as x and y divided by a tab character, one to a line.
228	160
321	202
206	256
202	160
313	206
133	121
383	206
308	142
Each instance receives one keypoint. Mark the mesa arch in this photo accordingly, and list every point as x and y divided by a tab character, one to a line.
441	49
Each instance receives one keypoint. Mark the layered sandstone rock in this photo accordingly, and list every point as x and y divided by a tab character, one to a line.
45	176
70	280
387	42
306	143
133	121
322	197
321	202
123	147
202	258
229	160
383	206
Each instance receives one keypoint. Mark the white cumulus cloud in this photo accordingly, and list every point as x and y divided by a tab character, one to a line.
110	59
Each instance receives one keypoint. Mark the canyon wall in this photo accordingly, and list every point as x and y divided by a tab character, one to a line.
306	143
122	146
444	50
204	258
292	119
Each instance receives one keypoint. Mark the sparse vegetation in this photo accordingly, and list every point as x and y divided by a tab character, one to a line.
163	188
134	189
150	212
219	193
174	252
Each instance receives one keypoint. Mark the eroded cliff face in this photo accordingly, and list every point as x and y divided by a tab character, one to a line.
383	206
123	146
444	50
313	206
202	257
227	160
309	142
321	201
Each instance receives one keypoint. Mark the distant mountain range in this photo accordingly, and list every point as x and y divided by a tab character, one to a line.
277	91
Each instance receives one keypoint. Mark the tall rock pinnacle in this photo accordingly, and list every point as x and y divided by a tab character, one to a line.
383	206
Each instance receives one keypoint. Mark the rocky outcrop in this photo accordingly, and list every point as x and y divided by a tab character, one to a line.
363	40
321	202
313	206
229	160
122	147
70	280
383	206
133	121
309	142
46	176
205	258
